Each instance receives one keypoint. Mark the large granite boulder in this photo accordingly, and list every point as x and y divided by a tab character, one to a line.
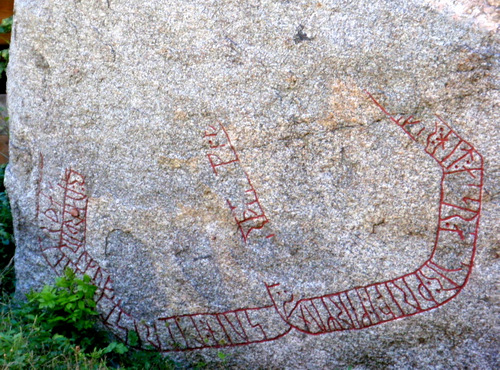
300	184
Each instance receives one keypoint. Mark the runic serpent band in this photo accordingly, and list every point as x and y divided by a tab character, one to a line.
62	214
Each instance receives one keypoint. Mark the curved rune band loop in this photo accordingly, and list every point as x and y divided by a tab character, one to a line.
62	214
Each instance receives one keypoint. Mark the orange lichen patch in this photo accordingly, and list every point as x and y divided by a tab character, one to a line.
181	115
484	13
348	106
170	163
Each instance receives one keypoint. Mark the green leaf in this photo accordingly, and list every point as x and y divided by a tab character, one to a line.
133	338
116	347
121	348
222	355
6	25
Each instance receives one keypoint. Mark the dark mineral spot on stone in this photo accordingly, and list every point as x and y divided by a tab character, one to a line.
40	61
301	35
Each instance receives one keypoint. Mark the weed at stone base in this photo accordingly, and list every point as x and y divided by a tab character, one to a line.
7	247
56	329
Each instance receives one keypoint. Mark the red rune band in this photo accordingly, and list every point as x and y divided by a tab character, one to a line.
62	214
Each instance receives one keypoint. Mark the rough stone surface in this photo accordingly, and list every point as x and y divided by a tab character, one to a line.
297	184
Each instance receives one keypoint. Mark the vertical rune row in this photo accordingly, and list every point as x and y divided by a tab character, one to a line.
235	184
440	278
62	216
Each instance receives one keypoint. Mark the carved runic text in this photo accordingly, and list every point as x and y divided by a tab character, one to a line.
62	214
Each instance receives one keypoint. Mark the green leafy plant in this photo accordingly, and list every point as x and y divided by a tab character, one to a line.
6	229
53	327
68	308
223	357
5	27
57	328
7	246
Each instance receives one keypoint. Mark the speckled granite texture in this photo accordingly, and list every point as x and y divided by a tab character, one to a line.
298	184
